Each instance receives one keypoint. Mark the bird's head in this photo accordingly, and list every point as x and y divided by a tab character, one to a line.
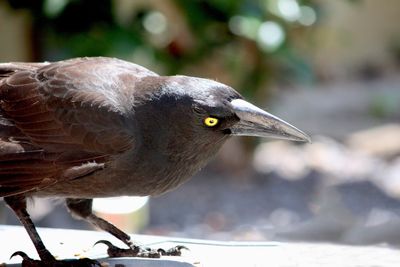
183	121
208	110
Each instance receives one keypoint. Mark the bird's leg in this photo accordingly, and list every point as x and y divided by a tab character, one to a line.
82	208
18	205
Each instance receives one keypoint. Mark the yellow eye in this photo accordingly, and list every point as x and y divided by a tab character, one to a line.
210	121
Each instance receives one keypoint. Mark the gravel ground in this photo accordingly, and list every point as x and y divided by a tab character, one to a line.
267	207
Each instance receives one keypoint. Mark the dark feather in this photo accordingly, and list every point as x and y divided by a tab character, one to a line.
54	117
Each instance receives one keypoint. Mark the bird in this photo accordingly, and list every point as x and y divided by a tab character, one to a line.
92	127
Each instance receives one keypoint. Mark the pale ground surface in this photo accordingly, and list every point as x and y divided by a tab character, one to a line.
204	253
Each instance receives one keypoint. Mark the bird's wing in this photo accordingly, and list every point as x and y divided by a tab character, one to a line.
59	116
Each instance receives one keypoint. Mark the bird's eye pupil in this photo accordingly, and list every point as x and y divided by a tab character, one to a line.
210	122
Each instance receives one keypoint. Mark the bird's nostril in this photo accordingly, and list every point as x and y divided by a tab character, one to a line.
227	131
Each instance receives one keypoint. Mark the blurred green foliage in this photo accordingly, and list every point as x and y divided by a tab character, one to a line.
252	42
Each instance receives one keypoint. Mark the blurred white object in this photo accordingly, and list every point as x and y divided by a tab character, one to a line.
382	141
119	205
282	157
128	213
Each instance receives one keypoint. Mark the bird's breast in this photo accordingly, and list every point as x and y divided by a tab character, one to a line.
135	173
152	171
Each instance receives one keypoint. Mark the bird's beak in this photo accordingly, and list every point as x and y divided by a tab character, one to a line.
257	122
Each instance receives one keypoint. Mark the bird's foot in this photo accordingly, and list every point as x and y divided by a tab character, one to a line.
174	251
52	262
137	251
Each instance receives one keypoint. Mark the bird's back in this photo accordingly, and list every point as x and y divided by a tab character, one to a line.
62	120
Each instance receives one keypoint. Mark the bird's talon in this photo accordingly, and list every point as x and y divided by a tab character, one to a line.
116	252
180	247
161	251
19	253
105	242
175	251
136	251
28	262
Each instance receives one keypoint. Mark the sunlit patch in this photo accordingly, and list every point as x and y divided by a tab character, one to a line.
270	36
307	16
155	22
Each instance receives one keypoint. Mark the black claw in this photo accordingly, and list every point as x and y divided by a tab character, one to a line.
161	251
175	251
136	251
28	262
180	247
21	254
105	242
115	252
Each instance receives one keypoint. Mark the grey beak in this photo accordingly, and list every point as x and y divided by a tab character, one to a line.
257	122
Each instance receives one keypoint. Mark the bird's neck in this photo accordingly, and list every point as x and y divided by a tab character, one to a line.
166	159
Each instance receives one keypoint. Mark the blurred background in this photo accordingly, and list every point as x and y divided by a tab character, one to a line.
329	67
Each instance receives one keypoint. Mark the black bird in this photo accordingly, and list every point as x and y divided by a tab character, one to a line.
102	127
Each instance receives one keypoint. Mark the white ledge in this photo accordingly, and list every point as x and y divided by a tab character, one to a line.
75	243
